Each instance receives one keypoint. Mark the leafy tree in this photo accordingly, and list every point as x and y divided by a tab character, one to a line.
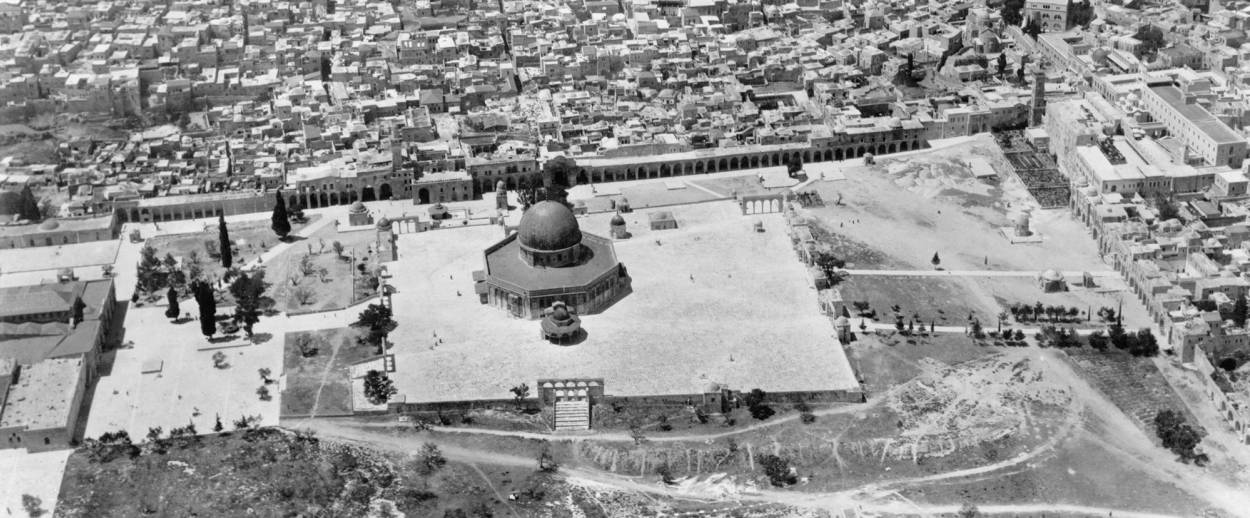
1098	340
249	299
1011	12
1080	13
1167	210
969	511
1144	344
520	392
217	427
1151	39
377	318
378	387
1178	436
173	310
281	220
777	470
338	249
150	275
33	506
206	300
223	237
936	260
829	264
27	205
431	459
1002	64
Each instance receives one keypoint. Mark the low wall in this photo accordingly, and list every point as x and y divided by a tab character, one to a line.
823	397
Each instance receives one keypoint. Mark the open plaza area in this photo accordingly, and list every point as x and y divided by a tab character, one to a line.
711	301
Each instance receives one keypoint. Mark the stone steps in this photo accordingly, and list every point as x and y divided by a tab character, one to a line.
572	416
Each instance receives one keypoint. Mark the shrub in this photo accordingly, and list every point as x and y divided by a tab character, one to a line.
777	470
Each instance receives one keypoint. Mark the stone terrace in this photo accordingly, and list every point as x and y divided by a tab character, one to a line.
749	317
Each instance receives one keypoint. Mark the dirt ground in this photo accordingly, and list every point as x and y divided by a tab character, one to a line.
911	207
340	288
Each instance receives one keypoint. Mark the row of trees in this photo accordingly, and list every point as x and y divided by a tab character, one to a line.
1024	312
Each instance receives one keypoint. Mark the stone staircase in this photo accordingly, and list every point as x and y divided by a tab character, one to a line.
572	416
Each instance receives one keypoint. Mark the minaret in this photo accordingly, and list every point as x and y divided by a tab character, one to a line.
1038	104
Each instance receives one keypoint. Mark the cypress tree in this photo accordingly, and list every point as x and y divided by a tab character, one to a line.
203	294
28	207
227	256
281	220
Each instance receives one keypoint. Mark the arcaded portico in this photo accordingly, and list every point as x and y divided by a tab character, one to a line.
548	260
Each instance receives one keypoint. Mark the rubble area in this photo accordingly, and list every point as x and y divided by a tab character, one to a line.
948	408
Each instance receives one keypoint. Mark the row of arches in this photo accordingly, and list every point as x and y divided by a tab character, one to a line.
713	165
318	199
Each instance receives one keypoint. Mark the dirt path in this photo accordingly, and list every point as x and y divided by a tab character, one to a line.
321	385
503	500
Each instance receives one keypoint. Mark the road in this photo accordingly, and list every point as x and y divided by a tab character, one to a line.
975	273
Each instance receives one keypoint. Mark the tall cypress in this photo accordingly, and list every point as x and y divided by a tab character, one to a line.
203	294
28	207
227	256
173	310
281	220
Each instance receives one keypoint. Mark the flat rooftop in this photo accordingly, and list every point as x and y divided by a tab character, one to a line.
43	397
1199	116
712	301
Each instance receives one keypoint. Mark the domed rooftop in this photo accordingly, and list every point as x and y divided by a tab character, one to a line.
384	223
1052	275
549	225
357	208
50	224
617	220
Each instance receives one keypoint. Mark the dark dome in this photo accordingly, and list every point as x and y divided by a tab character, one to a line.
357	208
549	225
617	220
10	203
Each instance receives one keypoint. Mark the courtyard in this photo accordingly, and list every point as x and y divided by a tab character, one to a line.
712	301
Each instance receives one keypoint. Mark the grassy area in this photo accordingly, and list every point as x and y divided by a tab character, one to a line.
270	473
319	384
343	284
938	300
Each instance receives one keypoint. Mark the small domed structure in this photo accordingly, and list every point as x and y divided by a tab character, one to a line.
1052	281
616	227
561	325
384	223
50	224
358	215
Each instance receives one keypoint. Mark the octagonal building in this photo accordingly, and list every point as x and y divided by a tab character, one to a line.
547	260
